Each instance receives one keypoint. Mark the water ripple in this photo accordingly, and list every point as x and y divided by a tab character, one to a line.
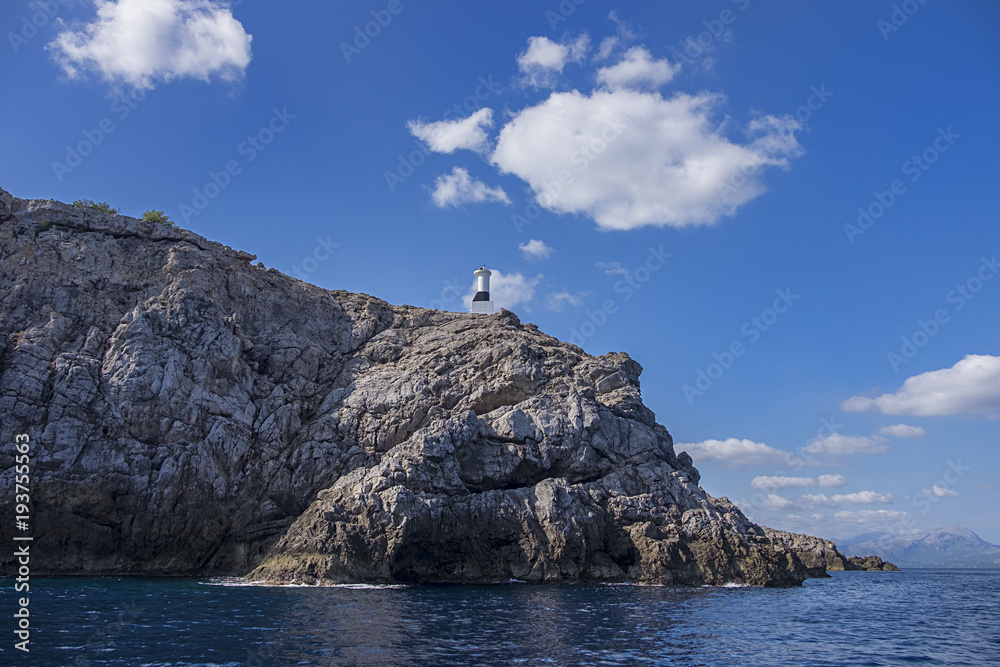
855	618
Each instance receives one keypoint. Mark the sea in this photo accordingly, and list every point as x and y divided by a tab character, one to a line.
914	617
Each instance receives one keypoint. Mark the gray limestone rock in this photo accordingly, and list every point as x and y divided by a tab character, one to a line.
821	556
192	413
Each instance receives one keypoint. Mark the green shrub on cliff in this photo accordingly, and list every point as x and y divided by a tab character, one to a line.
97	206
157	216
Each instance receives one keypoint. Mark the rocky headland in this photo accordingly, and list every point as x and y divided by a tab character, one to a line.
821	556
193	413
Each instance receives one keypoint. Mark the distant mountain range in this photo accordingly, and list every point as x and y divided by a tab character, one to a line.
939	547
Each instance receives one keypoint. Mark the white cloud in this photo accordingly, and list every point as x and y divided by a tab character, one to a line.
141	43
937	491
870	516
507	290
624	34
613	268
535	249
902	431
624	30
763	482
829	481
459	188
606	47
448	136
775	502
970	387
782	482
766	483
557	299
636	159
544	59
857	498
637	69
837	444
735	453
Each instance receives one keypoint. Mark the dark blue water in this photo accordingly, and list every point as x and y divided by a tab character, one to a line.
930	617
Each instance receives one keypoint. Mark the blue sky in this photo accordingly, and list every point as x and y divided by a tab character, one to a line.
761	202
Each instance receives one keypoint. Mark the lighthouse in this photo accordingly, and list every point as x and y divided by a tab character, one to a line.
481	303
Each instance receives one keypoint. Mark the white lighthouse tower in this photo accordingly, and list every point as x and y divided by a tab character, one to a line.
481	303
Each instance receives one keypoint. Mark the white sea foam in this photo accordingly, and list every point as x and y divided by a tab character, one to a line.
236	582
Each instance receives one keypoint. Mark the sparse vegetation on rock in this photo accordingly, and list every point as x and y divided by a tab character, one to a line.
97	206
158	217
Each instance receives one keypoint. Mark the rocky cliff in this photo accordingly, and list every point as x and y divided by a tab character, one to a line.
821	556
192	413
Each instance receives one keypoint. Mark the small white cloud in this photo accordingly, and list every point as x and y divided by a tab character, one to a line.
902	431
142	43
623	35
780	482
535	249
775	502
857	498
459	188
830	481
544	59
448	136
557	299
613	268
507	290
606	48
736	453
624	31
783	482
636	70
937	491
970	387
836	444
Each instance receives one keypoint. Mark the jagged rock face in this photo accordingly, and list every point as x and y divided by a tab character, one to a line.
817	554
821	556
195	414
870	564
